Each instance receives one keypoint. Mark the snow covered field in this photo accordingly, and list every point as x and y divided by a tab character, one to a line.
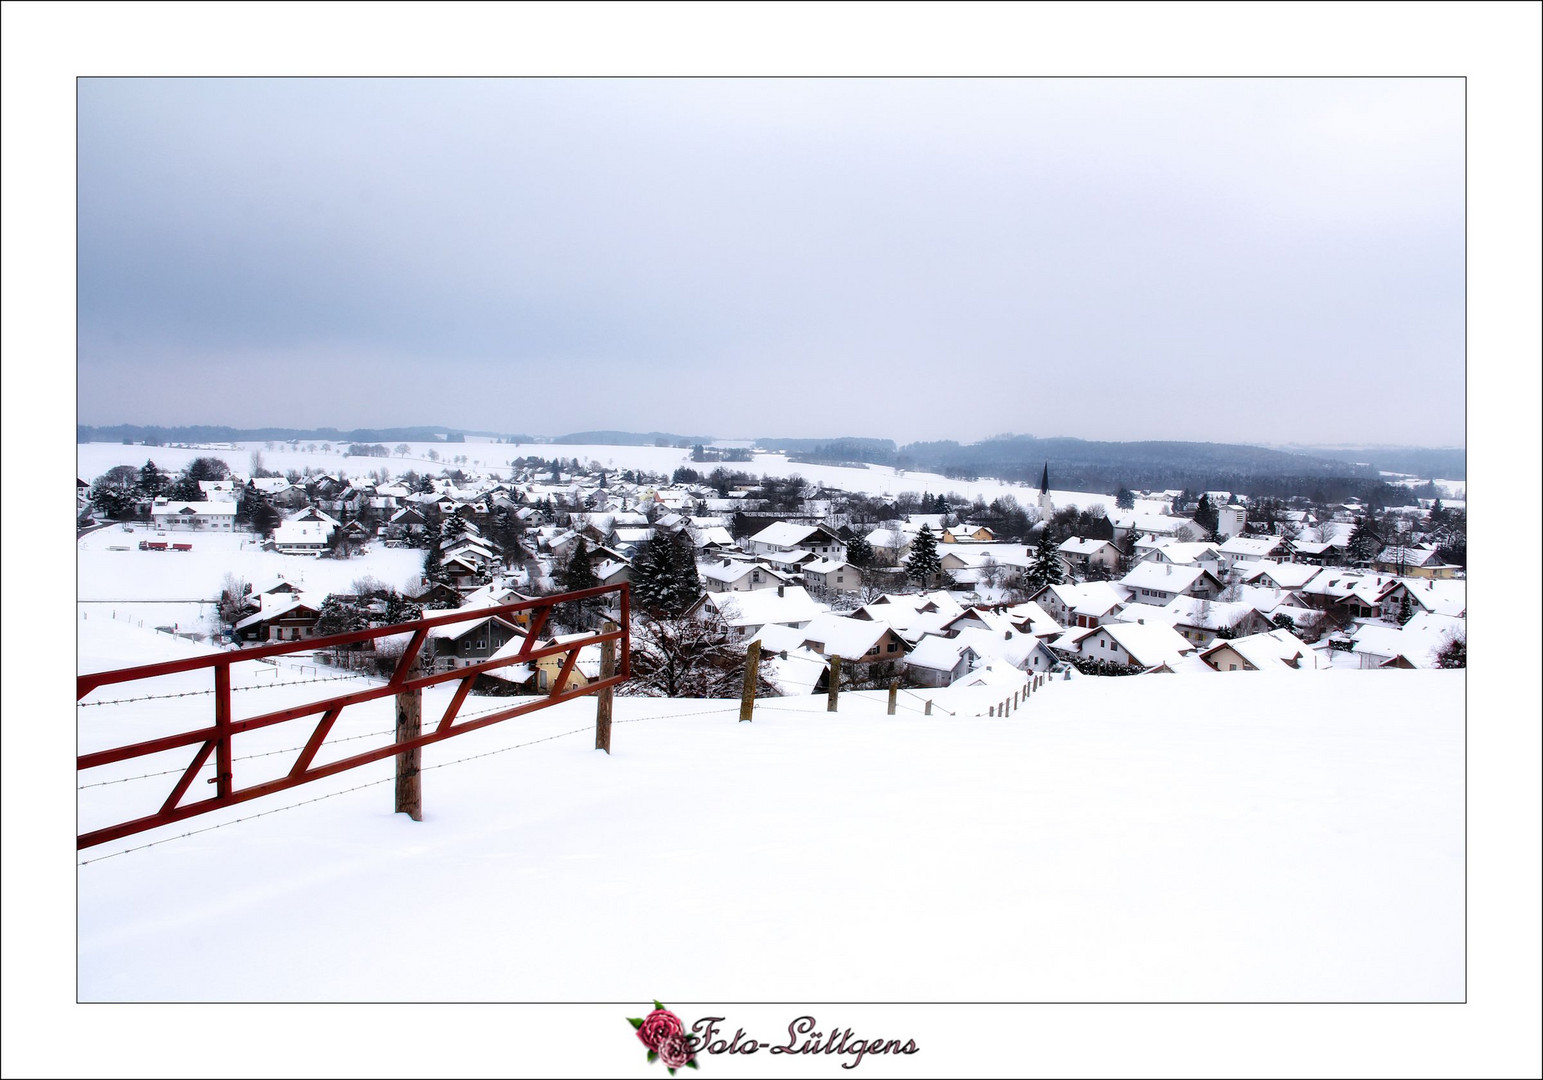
1272	839
93	459
166	588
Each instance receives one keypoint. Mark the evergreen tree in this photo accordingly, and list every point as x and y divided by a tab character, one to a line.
685	583
859	551
152	481
924	565
1125	499
650	577
1405	609
399	609
257	512
1206	516
578	573
1363	542
1047	567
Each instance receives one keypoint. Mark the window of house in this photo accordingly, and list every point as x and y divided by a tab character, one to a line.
894	647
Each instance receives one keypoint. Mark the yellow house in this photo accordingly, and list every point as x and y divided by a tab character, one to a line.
969	534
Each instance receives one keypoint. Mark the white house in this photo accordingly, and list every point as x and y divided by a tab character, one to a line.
786	537
1158	583
172	514
832	575
747	612
734	575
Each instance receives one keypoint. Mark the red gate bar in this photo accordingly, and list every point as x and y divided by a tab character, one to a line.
218	737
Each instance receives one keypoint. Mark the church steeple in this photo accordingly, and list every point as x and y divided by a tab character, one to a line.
1046	507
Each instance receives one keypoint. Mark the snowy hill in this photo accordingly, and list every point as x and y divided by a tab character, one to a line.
1115	839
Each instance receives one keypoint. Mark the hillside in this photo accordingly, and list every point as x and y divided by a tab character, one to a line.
1150	839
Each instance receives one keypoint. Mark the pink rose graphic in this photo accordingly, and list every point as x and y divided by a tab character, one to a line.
658	1026
665	1036
674	1051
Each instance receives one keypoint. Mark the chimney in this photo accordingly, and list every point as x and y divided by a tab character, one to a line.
1168	567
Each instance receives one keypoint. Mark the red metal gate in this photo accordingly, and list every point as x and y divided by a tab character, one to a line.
216	739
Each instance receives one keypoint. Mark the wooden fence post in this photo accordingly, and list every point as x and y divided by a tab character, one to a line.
409	725
894	689
928	710
603	698
835	683
752	671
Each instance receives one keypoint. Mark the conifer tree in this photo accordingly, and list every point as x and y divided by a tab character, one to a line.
685	583
650	578
1363	541
859	551
1047	568
152	481
924	565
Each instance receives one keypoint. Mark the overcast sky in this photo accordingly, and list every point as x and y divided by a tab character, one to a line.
1224	260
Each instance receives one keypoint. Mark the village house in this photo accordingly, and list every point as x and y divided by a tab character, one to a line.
1251	549
1086	604
968	534
939	661
1272	651
183	516
1143	645
785	537
301	537
1158	583
738	575
1080	555
832	575
463	644
1422	561
747	612
284	616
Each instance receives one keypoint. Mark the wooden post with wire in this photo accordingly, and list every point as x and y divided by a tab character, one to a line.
894	689
603	698
409	725
752	673
928	710
835	683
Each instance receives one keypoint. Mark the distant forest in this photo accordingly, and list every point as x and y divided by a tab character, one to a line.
630	438
1083	465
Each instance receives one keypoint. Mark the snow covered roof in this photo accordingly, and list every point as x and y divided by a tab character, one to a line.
824	566
1201	614
1179	552
937	653
712	536
1416	641
794	606
1159	524
1092	598
276	604
1250	547
1079	545
1010	646
1164	576
1149	644
1037	620
1278	649
1282	575
302	532
788	534
840	635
